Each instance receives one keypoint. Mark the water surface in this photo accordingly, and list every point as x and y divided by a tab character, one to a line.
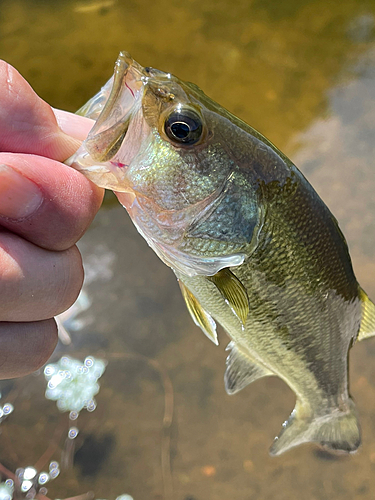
303	73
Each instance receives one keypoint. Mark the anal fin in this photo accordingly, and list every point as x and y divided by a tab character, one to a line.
241	371
200	317
367	328
337	430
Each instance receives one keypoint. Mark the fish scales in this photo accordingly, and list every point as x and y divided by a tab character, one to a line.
253	246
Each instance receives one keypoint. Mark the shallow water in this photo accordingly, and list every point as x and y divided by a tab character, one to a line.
303	73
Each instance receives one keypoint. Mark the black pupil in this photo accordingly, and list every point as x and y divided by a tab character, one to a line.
180	130
184	126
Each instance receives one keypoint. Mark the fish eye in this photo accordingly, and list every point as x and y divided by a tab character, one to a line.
184	126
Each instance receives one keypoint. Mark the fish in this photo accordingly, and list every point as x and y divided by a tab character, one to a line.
253	246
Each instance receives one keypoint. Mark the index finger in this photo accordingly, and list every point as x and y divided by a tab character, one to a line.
29	125
74	125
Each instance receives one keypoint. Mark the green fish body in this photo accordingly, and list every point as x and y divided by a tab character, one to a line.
253	246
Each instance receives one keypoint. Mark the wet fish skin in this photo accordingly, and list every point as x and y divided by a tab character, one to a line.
252	244
304	315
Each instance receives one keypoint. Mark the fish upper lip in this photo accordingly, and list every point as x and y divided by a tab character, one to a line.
124	90
109	131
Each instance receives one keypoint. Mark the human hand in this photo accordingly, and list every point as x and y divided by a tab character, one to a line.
45	207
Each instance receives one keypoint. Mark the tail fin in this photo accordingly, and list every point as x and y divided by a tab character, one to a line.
336	430
368	317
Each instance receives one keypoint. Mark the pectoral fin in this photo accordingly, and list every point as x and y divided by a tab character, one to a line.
367	328
240	370
200	317
233	292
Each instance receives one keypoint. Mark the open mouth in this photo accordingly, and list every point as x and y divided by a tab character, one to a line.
113	107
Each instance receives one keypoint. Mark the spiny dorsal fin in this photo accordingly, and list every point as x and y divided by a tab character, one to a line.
200	317
233	292
368	317
240	370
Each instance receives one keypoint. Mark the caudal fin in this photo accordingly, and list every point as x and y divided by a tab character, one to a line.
336	430
367	328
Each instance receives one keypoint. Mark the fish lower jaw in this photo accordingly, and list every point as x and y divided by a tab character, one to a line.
126	198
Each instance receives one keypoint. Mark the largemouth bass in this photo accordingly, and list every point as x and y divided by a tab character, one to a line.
253	246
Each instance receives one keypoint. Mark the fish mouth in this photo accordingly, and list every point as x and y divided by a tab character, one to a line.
114	107
112	143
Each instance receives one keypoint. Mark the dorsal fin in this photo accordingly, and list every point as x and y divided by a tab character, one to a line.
200	317
233	292
240	370
367	328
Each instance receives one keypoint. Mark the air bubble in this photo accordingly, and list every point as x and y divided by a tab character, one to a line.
49	370
19	474
43	478
73	385
26	485
73	415
53	465
89	362
55	381
91	405
73	433
43	491
29	473
6	490
8	409
62	405
54	473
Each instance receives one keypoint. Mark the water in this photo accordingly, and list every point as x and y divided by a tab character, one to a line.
303	73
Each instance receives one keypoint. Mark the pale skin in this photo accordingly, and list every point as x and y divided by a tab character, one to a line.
45	208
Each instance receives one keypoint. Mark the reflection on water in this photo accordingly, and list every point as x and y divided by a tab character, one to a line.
303	72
